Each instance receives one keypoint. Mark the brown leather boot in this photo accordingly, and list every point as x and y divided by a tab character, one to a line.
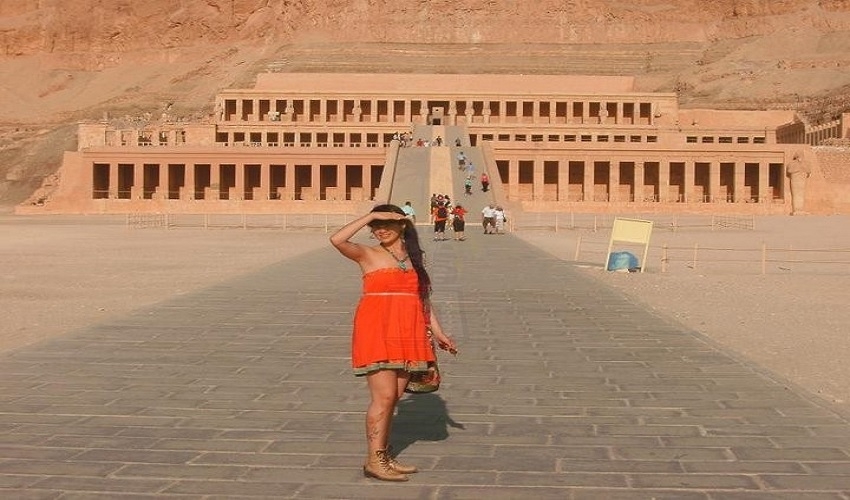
399	467
378	467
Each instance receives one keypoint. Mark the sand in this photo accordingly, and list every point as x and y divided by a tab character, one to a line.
60	274
791	321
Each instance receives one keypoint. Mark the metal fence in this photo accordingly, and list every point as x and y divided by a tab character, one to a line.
284	222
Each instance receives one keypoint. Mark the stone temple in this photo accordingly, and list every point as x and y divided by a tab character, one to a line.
330	143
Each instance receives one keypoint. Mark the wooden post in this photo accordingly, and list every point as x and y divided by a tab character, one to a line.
578	248
763	258
696	248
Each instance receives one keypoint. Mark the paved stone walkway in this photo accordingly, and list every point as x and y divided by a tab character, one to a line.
563	389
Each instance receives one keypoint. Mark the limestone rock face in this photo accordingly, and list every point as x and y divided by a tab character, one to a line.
59	26
62	61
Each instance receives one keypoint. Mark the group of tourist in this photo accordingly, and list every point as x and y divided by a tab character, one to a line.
405	139
493	219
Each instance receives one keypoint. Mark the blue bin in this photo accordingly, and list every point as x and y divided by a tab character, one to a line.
622	261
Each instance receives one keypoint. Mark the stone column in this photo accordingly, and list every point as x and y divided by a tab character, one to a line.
538	187
618	115
255	108
239	110
367	182
240	182
138	187
189	185
469	112
214	189
613	181
164	181
585	111
664	181
289	181
739	169
341	189
486	111
323	110
113	181
451	114
568	114
640	175
513	178
315	180
689	182
563	179
535	111
502	111
588	187
765	196
408	111
373	114
714	182
265	181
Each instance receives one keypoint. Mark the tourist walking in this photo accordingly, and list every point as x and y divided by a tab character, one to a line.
389	340
409	212
499	219
485	182
488	218
461	160
441	215
458	222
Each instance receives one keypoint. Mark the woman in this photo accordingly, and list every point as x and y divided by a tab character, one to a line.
458	222
500	219
389	340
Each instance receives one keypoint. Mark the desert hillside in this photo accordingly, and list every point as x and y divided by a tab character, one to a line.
62	61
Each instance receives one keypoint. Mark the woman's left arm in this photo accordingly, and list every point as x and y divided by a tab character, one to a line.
444	342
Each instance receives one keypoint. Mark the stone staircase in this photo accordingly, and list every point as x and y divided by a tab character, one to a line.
423	171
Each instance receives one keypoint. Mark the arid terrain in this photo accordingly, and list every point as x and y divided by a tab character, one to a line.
63	273
62	62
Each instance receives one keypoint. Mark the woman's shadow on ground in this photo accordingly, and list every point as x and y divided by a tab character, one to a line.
421	417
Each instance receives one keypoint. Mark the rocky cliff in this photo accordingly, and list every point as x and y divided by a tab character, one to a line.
64	61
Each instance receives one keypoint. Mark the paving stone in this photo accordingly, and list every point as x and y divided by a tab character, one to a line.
563	389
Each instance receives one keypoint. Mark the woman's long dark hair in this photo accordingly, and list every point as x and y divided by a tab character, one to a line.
417	257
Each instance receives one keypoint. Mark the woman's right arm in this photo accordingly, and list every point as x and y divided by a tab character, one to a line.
354	251
341	239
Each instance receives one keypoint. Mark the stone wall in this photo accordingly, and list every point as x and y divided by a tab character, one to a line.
828	189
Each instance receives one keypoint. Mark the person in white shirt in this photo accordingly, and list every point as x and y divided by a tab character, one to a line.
488	218
500	219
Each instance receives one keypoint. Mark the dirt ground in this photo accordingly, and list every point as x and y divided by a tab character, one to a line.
64	273
792	320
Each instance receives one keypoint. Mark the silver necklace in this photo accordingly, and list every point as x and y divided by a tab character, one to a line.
400	262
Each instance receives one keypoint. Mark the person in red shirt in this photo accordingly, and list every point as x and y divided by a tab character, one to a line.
441	215
458	222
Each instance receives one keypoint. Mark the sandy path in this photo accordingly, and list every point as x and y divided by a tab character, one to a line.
792	320
64	273
60	274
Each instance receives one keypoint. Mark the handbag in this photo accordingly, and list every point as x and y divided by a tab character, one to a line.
429	380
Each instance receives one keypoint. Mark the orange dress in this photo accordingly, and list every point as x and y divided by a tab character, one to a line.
389	324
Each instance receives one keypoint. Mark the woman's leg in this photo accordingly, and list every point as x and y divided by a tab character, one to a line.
383	389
